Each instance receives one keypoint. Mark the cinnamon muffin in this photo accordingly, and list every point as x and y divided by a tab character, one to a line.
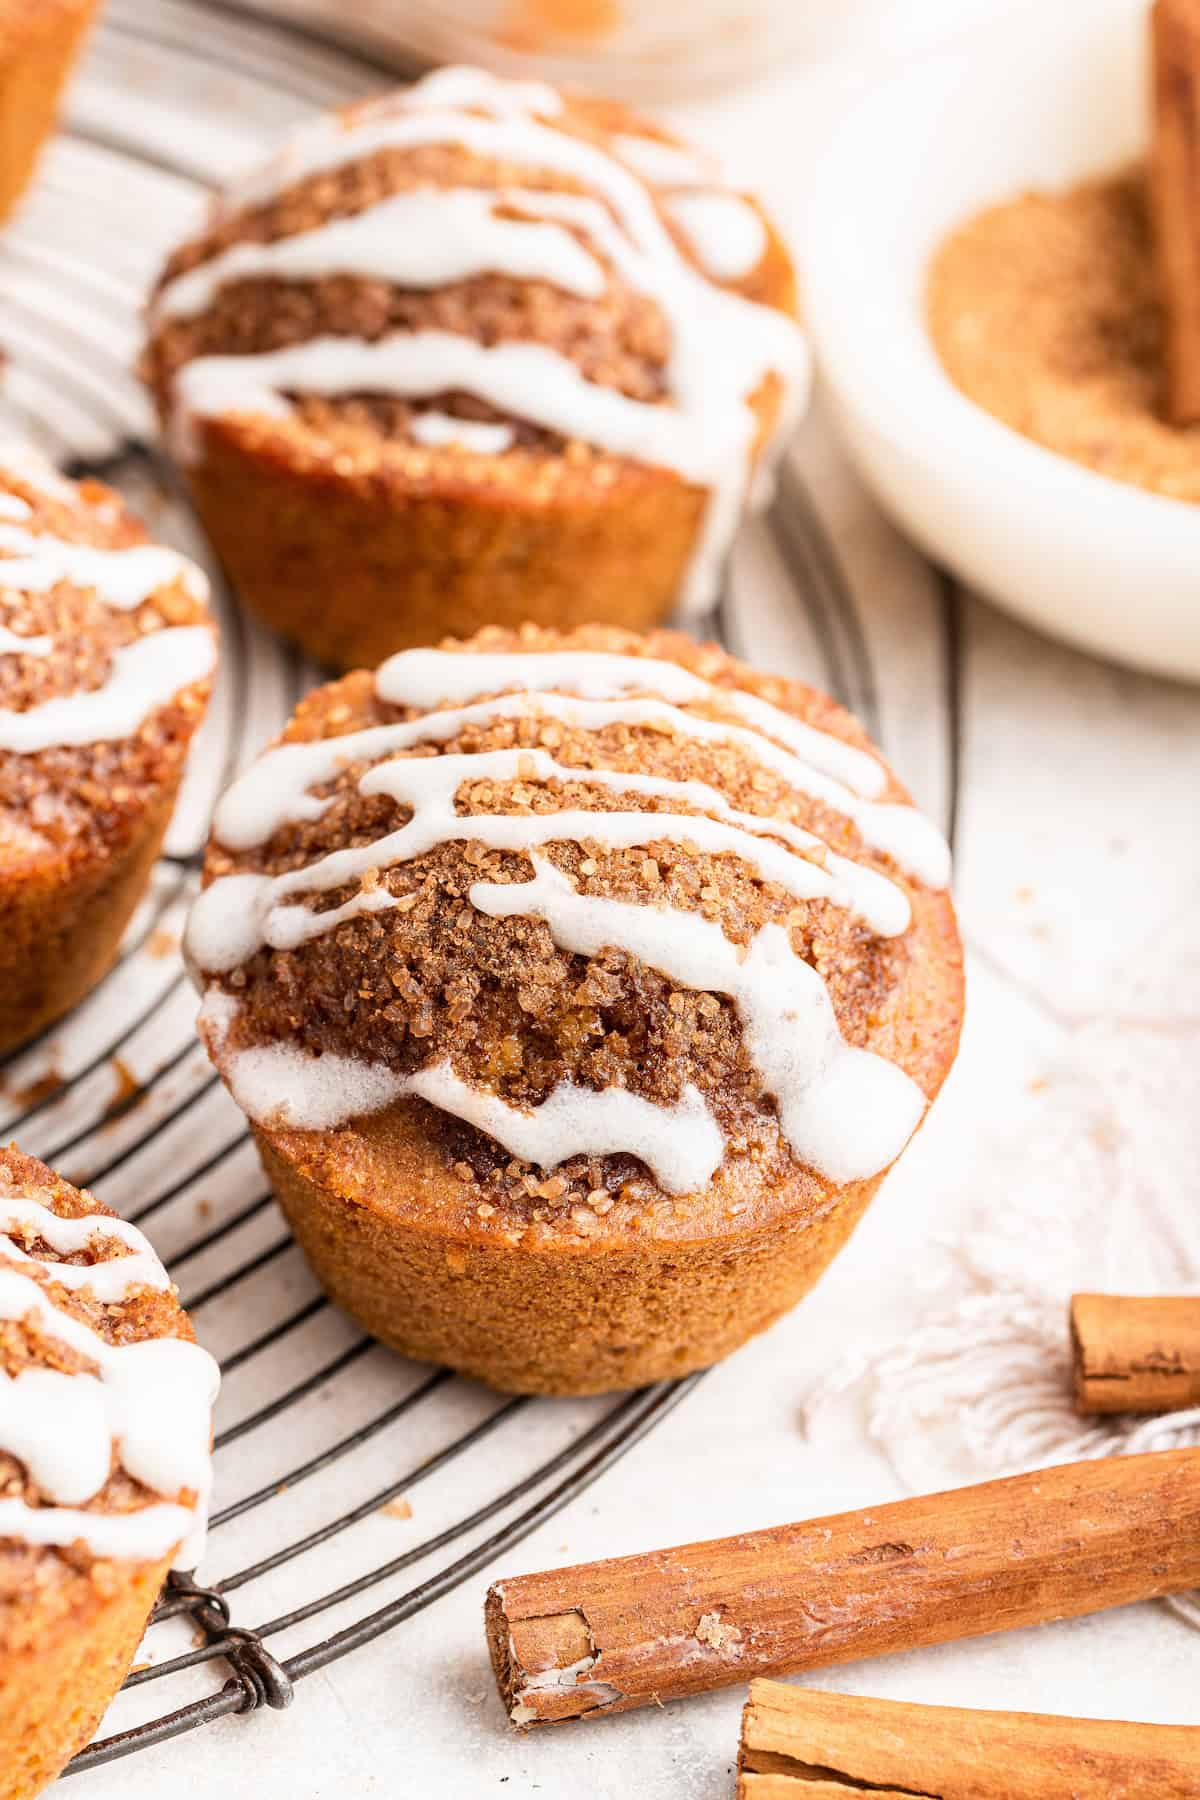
39	41
106	653
476	352
105	1430
580	990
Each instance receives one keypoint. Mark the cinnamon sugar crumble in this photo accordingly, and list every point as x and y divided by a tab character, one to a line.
436	979
68	796
619	339
1045	311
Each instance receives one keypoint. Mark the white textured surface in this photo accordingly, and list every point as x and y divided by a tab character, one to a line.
1078	878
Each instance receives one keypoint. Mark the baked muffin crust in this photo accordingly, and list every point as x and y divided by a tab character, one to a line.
104	1459
78	793
106	657
476	253
110	1310
432	962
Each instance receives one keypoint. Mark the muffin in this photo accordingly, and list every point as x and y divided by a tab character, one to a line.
106	653
39	40
104	1460
476	352
580	990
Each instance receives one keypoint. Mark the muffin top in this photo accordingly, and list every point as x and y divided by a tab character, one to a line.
105	1424
106	653
609	912
488	283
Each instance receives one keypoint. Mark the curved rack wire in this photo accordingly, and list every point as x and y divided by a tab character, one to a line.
322	1435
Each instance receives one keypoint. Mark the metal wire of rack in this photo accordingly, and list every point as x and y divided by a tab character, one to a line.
320	1431
121	1097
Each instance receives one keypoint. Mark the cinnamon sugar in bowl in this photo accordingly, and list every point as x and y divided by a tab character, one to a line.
580	989
106	657
1045	310
1037	102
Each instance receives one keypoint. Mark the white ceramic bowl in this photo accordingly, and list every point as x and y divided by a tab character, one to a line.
1038	102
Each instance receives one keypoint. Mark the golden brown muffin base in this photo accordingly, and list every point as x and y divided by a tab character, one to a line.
559	1317
354	568
62	919
53	1693
33	71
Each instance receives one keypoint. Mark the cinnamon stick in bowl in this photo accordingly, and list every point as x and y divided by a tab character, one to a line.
605	1637
1135	1354
1175	193
798	1744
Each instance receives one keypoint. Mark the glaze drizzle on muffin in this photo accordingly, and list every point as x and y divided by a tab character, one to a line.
471	245
125	625
104	1410
511	865
106	650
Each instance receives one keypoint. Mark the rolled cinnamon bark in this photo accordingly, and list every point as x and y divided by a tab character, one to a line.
798	1744
1175	195
1135	1354
608	1636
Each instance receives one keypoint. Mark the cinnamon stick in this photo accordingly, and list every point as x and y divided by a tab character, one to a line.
1175	195
1135	1355
798	1744
608	1636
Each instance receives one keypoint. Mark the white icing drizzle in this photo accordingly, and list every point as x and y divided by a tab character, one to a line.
845	1112
122	578
136	1537
483	437
254	806
236	916
143	676
724	230
431	678
662	165
282	1087
149	1402
322	143
424	238
723	347
33	470
527	380
274	791
682	1144
12	644
109	1281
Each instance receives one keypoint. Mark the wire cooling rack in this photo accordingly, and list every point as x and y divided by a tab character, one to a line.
321	1434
